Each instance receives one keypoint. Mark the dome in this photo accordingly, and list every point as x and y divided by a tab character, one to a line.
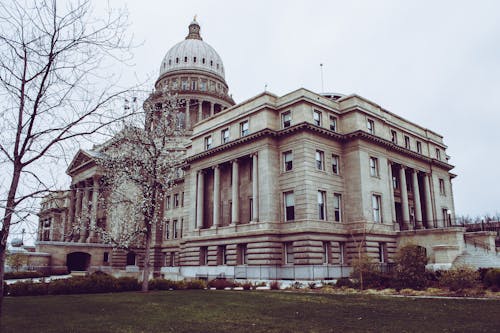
192	54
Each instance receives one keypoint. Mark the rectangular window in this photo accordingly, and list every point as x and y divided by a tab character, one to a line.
167	230
419	147
194	84
321	205
370	125
382	252
242	254
335	164
326	252
317	118
221	255
342	253
250	205
289	206
333	123
287	161
167	202
442	190
288	253
184	84
244	128
286	119
337	207
394	137
182	199
373	167
176	200
446	217
376	206
174	229
172	259
395	183
407	142
208	142
203	256
438	153
225	135
105	257
320	160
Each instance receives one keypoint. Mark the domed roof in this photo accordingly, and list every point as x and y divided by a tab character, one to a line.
192	53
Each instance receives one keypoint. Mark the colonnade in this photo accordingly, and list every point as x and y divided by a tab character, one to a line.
84	198
214	107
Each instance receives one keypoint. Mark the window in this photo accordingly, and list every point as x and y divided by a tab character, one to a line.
286	119
221	255
395	183
208	142
225	135
394	137
176	60
250	205
167	202
203	256
172	259
289	206
333	123
184	84
185	59
242	254
321	205
167	230
287	161
174	229
442	190
194	59
376	204
342	253
438	153
407	142
326	252
131	259
203	85
419	147
382	252
194	84
176	200
320	160
288	253
317	118
105	257
244	128
370	125
337	207
182	199
335	164
373	167
446	217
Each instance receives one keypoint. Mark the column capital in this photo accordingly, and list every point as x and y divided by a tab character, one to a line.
217	166
256	154
234	160
201	171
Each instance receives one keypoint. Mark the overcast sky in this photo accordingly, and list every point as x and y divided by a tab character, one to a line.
436	63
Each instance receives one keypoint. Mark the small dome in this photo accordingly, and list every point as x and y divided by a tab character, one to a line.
192	53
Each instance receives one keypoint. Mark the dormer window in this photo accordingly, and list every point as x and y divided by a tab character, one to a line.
170	62
185	59
194	59
211	63
203	60
217	66
176	60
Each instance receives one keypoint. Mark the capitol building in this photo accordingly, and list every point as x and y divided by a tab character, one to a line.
285	187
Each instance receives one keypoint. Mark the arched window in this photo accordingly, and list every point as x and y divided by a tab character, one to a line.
203	60
185	59
176	60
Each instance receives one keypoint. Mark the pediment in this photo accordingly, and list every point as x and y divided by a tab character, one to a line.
81	160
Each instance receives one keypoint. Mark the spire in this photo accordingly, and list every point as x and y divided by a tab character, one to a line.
194	30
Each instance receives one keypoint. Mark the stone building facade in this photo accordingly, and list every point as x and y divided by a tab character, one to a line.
291	186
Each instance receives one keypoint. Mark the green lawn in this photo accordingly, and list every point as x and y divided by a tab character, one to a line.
246	311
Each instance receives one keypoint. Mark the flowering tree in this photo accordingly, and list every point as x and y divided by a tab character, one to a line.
54	90
141	164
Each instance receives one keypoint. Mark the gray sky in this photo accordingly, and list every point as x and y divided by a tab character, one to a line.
436	63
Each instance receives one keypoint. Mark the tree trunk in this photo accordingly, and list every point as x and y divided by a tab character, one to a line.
147	265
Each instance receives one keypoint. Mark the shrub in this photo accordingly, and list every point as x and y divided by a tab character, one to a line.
127	284
27	288
492	278
247	285
17	260
23	275
59	271
297	285
311	285
459	278
410	267
196	284
220	284
275	285
344	282
161	284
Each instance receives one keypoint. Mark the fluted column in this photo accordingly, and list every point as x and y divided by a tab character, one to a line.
199	201
85	214
255	188
78	214
428	202
216	201
404	198
235	195
93	214
200	110
188	116
416	200
391	193
71	215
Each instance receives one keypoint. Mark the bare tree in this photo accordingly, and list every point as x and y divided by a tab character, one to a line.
53	89
141	164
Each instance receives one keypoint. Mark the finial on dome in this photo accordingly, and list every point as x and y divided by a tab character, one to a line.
194	30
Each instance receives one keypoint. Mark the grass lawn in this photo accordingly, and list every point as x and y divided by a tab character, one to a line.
245	311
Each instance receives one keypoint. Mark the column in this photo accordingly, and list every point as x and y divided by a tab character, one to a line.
216	201
255	188
235	195
188	116
199	201
404	198
428	201
200	110
391	193
212	108
416	199
93	214
78	214
71	215
63	226
85	214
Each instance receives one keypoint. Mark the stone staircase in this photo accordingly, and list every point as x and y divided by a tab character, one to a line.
478	257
